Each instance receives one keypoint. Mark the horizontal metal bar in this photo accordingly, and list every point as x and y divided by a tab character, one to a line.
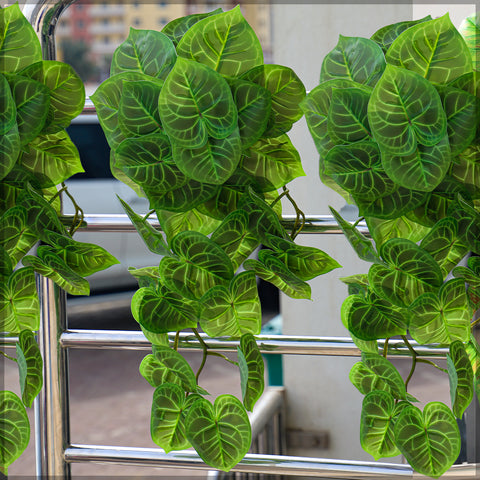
255	463
279	344
121	223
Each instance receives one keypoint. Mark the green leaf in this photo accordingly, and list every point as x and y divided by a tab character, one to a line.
19	306
347	115
443	244
9	150
386	372
168	366
30	366
175	29
254	105
466	168
376	425
372	318
303	261
443	318
463	116
286	90
269	268
220	433
138	107
195	103
167	424
386	35
6	266
224	42
52	266
235	238
422	170
201	264
366	380
19	44
460	374
273	162
32	100
67	93
173	223
383	230
251	370
404	110
8	109
433	49
52	155
15	235
214	162
232	311
473	350
354	58
409	272
162	311
106	99
152	237
468	223
470	31
14	428
146	51
429	441
83	258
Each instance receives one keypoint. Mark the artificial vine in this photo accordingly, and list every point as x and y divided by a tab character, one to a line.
38	99
197	124
395	120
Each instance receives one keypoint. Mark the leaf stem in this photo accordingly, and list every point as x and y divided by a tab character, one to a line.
176	340
474	323
8	356
78	216
205	353
385	348
218	354
412	369
300	220
433	364
148	214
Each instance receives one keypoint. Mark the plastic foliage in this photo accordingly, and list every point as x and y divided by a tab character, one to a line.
38	100
395	120
197	124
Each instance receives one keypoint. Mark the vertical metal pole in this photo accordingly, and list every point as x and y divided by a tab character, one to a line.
52	412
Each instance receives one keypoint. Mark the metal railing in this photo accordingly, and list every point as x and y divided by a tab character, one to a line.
54	450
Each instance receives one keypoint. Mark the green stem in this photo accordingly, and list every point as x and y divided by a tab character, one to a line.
385	348
176	340
148	214
8	356
300	220
78	216
283	194
217	354
433	364
410	375
474	323
205	353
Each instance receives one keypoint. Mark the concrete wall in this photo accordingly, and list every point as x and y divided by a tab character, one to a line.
320	396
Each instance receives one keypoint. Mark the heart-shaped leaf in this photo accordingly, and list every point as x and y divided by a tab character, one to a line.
235	238
273	162
354	58
162	311
152	237
251	370
286	90
168	366
232	311
366	380
376	425
468	223
16	237
14	429
10	148
404	110
146	51
347	120
460	374
473	351
466	169
167	423
176	29
51	265
269	268
19	306
429	441
220	433
19	45
54	156
67	92
443	318
433	49
214	162
372	318
423	170
189	109
224	42
138	108
469	29
30	365
410	271
358	169
201	264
